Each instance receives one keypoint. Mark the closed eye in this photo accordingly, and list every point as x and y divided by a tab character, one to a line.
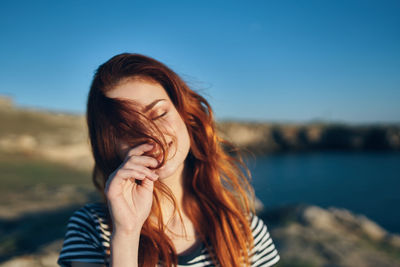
159	116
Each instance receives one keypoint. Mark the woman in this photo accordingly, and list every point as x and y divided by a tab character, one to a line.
174	194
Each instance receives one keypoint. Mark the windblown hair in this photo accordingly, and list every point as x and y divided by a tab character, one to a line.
218	197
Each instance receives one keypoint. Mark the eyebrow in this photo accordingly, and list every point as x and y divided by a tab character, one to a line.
152	104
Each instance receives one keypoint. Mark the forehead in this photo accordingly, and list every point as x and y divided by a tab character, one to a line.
139	90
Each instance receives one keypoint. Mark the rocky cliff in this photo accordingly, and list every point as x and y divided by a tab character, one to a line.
63	137
273	137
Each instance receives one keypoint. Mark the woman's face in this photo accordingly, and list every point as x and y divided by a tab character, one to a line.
156	105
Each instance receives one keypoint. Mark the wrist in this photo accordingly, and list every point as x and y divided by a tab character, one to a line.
124	248
123	234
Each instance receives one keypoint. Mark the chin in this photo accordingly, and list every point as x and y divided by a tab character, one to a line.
175	165
168	170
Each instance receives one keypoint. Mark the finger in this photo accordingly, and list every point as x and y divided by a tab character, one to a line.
142	160
139	150
123	174
113	184
142	174
148	184
148	172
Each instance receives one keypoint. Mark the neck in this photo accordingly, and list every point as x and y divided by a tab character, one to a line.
177	228
175	184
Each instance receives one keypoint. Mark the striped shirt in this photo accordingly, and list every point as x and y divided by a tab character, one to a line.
88	238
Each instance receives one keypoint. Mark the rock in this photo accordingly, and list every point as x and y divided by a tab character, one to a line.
46	257
314	236
318	218
23	261
371	229
393	240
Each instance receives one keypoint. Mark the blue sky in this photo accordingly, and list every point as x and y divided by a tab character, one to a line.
289	61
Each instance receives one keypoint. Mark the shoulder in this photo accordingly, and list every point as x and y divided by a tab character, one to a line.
264	252
87	236
91	219
93	213
257	225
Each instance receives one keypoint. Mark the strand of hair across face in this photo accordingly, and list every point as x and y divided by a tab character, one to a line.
217	196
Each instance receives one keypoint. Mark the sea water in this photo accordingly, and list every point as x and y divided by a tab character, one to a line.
366	183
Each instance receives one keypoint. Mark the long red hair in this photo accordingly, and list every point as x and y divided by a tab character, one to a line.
218	197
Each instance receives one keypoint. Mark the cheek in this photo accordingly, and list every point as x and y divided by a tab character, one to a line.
180	131
184	136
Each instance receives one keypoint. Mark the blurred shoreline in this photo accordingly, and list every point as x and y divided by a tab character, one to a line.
263	138
45	161
63	137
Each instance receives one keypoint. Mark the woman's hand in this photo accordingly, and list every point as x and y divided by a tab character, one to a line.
130	201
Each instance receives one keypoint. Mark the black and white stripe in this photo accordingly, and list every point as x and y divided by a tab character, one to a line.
88	237
264	252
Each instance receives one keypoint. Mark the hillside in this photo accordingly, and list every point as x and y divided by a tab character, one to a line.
63	138
261	138
45	163
54	136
